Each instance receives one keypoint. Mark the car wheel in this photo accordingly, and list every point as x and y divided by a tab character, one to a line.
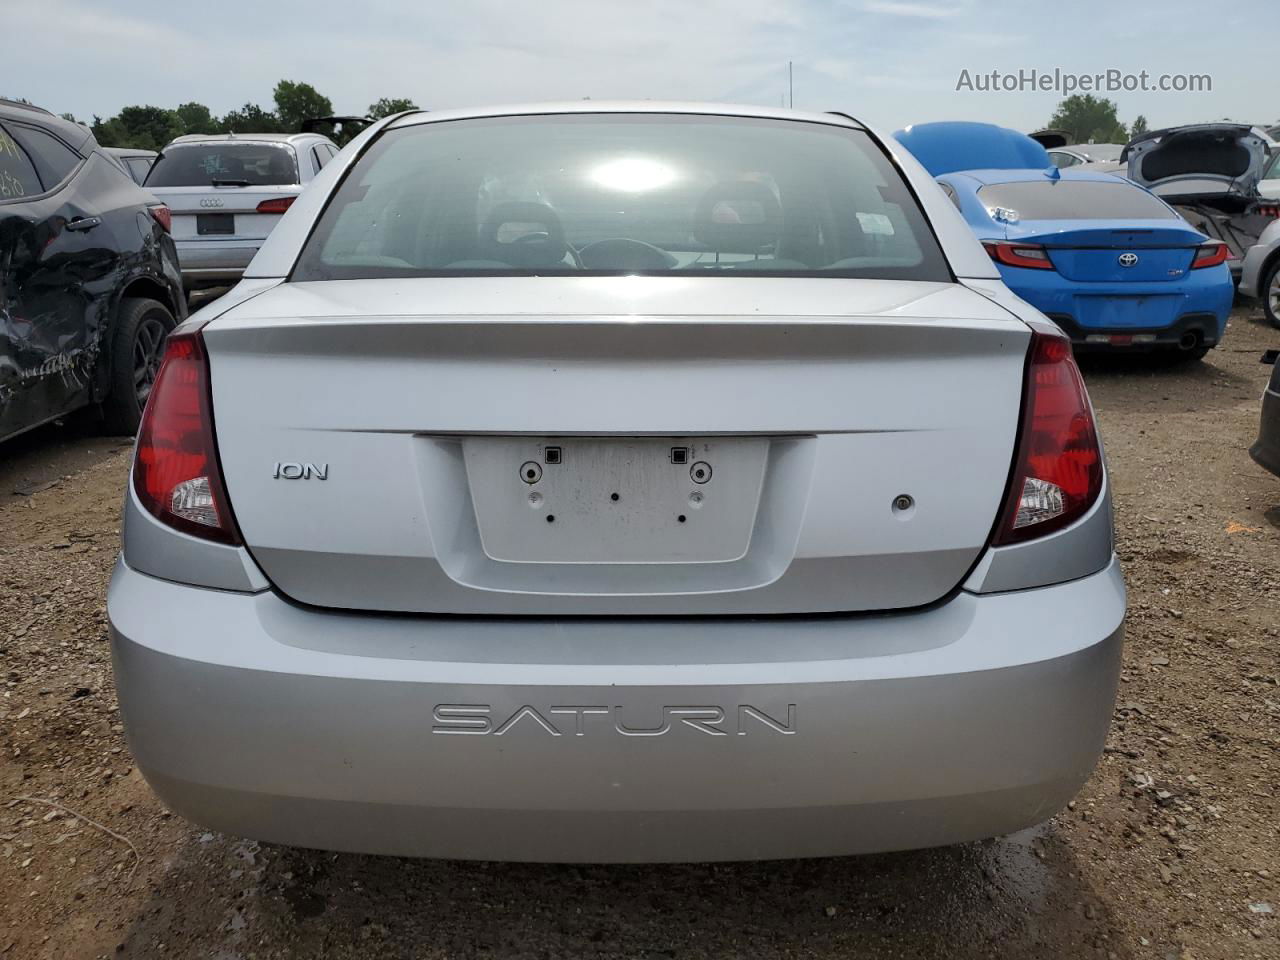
1179	357
138	348
1194	355
1271	294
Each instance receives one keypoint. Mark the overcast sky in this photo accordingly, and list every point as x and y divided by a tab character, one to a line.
888	62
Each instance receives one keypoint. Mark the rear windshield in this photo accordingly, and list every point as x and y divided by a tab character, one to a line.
229	164
1075	200
609	194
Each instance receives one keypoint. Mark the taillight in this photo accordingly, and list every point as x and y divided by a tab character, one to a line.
1058	472
175	471
163	216
1269	210
276	205
1029	255
1212	254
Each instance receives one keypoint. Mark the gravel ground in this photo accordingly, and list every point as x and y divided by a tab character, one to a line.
1170	851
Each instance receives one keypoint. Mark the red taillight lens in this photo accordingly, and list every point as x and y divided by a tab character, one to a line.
276	205
163	216
1212	254
1030	255
175	472
1058	474
1269	210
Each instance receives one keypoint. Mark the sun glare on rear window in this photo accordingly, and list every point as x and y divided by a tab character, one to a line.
605	194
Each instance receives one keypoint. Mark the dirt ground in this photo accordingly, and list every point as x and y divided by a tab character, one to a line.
1170	851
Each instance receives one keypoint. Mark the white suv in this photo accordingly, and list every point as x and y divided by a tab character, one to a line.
227	192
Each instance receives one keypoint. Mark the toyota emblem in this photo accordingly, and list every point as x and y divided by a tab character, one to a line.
211	202
1128	259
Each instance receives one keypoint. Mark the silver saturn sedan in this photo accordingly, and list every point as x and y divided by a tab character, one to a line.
618	482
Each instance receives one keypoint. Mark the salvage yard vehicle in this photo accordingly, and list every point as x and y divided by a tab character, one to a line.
1110	263
1266	452
618	482
1210	173
950	145
227	192
89	281
1260	276
1077	154
136	163
1269	185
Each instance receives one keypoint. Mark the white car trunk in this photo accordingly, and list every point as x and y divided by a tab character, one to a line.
513	445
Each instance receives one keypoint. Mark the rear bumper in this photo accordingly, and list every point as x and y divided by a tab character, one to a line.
642	739
1199	302
1266	452
214	262
1188	332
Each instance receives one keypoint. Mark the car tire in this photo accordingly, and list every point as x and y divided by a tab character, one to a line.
1269	293
136	352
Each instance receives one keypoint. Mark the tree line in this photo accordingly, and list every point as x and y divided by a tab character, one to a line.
1084	117
1089	119
150	128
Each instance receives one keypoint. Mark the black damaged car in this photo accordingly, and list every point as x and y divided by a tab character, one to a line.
89	279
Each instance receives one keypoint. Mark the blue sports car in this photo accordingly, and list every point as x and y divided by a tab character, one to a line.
1107	260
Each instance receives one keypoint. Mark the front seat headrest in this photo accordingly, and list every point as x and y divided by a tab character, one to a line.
280	167
738	217
523	234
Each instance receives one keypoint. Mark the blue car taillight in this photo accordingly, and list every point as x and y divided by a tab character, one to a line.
1212	254
1030	255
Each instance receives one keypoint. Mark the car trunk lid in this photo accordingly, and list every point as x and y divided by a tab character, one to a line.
1115	252
1199	162
533	445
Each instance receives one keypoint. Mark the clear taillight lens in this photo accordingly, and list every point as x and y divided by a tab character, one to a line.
175	471
1058	472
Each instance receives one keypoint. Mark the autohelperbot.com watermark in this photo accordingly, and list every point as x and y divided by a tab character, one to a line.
1065	82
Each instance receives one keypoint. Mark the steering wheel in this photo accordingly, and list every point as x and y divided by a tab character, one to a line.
623	253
